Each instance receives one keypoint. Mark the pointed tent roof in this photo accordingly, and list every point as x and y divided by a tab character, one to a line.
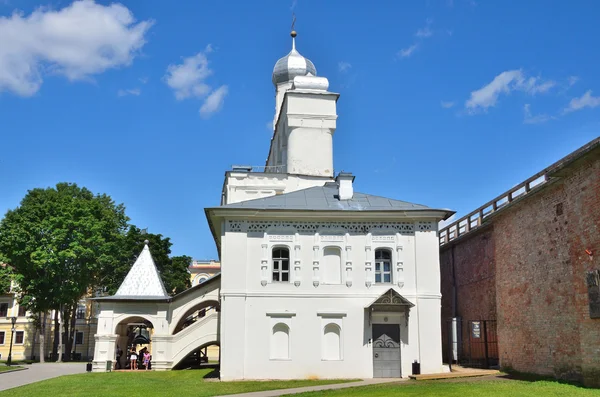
143	280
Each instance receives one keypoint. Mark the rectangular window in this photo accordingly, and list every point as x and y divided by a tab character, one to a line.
2	333
22	311
3	309
81	313
19	337
383	266
281	265
79	338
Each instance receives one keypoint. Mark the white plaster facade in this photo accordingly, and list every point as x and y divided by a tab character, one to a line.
316	279
318	322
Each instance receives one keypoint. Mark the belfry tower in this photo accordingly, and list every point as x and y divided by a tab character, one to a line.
305	118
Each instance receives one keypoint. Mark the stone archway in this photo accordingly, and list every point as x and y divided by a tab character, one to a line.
196	313
133	332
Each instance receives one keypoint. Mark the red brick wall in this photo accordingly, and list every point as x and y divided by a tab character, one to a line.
532	262
474	265
542	303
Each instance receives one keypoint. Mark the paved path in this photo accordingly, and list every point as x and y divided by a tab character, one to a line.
284	392
38	372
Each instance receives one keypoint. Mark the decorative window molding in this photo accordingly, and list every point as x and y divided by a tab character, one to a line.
281	237
384	239
316	265
297	265
264	265
400	265
348	266
332	238
368	266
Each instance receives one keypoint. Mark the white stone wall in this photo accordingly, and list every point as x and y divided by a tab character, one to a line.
242	186
252	304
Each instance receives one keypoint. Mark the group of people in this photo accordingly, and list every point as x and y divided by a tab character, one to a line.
134	358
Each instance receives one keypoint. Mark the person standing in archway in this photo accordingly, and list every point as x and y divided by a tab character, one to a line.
133	359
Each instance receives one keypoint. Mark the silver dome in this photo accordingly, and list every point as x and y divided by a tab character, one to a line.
292	65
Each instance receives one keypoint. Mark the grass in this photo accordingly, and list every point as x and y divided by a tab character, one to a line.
463	388
4	368
149	384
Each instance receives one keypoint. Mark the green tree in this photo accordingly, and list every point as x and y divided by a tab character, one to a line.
177	276
6	275
58	241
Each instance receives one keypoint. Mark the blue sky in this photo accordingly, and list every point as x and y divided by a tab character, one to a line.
444	103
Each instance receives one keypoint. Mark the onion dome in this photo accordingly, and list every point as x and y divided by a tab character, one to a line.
292	65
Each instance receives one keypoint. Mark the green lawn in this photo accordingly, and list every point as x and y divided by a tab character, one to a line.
148	384
7	368
464	388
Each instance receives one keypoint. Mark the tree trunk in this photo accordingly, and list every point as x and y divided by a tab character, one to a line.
60	335
70	321
42	337
55	336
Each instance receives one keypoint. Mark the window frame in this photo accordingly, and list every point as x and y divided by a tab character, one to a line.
82	336
3	338
280	261
380	266
16	336
7	308
22	312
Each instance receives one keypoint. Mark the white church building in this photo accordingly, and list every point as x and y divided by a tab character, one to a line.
317	279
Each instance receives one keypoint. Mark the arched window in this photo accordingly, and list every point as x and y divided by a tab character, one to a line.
281	264
332	346
383	266
332	265
280	342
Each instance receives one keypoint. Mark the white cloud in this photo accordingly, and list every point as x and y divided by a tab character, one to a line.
214	102
187	78
537	119
344	66
407	52
504	83
426	31
77	41
270	126
572	80
143	80
585	101
447	105
133	91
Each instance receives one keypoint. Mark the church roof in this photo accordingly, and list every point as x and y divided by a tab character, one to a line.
143	280
325	198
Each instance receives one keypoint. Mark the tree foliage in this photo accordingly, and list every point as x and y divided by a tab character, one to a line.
6	275
58	242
